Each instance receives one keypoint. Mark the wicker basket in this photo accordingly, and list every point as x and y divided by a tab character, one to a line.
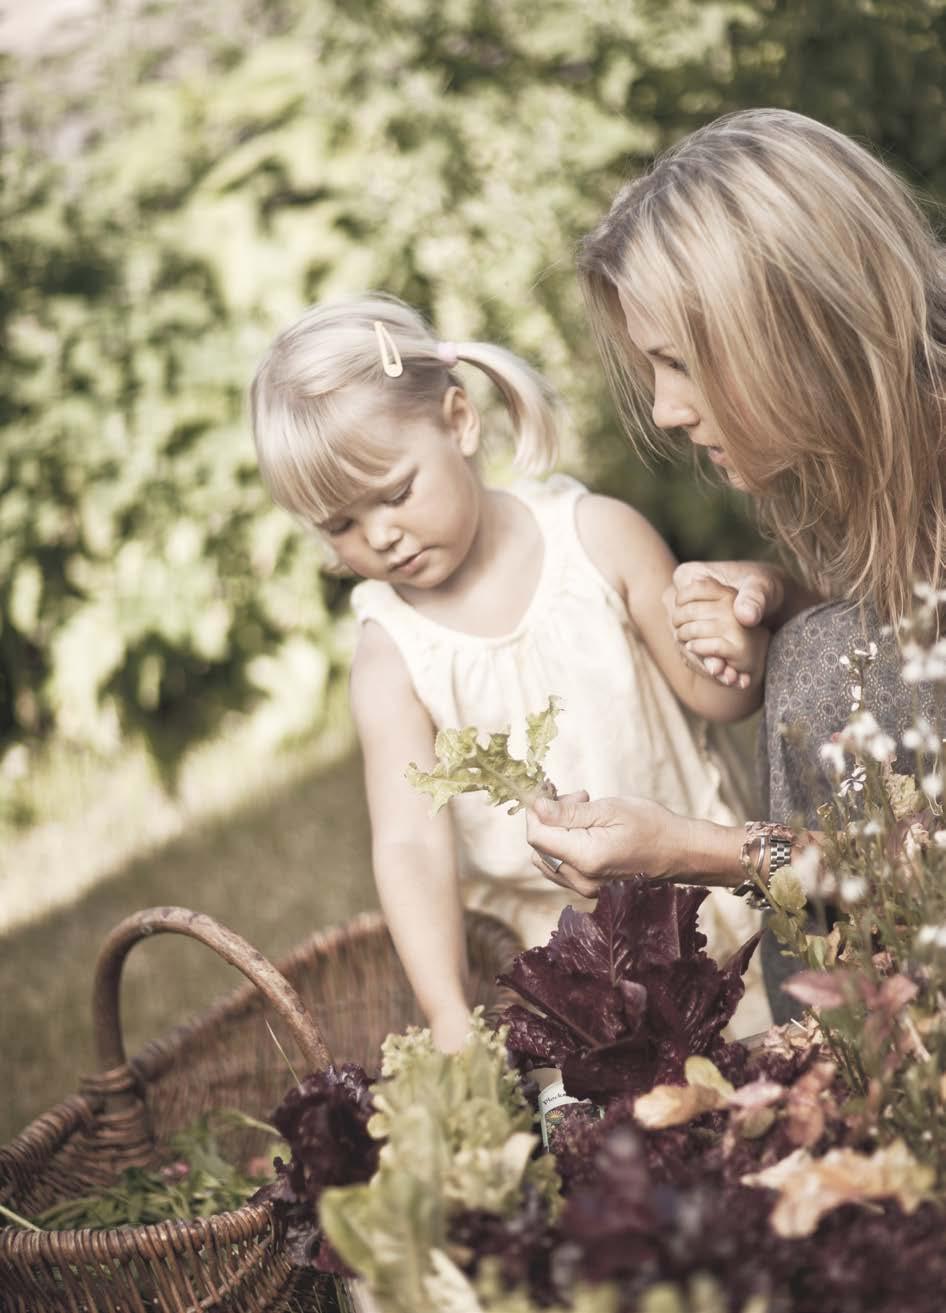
346	985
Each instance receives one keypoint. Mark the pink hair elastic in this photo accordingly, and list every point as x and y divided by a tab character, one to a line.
447	352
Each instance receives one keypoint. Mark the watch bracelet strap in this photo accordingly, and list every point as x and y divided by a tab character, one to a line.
778	839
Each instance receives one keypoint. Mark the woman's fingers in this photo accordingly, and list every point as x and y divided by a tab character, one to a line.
567	812
566	877
759	589
700	609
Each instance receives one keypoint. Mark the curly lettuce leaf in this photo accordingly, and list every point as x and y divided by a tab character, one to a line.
465	764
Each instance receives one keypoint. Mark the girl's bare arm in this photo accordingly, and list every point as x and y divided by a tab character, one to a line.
413	853
635	559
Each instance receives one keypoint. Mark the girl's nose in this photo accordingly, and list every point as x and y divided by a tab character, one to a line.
672	408
381	532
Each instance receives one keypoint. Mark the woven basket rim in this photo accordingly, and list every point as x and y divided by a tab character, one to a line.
124	1241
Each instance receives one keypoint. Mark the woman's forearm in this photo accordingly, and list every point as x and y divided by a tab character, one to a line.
713	854
709	854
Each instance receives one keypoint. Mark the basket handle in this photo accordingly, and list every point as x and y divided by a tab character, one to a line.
106	1006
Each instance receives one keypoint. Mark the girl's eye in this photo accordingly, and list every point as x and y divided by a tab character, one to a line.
336	529
402	495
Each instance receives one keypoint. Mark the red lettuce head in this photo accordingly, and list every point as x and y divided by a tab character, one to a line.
622	996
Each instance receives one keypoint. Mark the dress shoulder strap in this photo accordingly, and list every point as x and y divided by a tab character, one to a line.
552	501
373	599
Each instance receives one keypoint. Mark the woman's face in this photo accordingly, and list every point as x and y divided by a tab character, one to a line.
678	402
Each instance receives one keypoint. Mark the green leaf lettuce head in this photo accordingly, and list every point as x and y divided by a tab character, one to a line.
467	765
458	1135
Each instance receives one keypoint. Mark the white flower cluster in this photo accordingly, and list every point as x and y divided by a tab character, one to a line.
924	662
931	936
863	737
923	665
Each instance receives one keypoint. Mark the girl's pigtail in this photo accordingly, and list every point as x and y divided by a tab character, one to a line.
529	397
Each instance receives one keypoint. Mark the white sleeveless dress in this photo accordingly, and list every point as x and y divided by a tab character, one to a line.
621	729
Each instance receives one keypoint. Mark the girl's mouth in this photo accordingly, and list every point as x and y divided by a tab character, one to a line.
410	564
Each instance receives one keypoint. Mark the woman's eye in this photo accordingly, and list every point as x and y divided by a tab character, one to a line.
402	495
677	366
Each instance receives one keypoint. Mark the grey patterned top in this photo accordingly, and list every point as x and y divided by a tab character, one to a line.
807	699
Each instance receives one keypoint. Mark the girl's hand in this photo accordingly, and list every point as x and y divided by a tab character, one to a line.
705	625
606	839
449	1028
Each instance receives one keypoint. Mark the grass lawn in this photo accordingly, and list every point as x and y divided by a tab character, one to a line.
291	857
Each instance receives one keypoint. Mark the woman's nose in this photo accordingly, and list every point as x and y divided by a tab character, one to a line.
672	407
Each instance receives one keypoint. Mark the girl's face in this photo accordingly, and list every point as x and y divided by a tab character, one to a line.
416	525
678	402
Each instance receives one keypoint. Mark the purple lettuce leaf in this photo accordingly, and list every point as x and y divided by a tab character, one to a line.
622	996
324	1120
534	1039
524	1243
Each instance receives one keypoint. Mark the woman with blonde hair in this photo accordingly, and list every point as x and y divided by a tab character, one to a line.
772	292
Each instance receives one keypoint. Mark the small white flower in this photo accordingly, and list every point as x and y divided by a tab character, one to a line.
882	747
868	653
853	889
932	784
931	936
807	868
939	838
833	754
921	666
870	829
854	782
844	662
858	732
921	737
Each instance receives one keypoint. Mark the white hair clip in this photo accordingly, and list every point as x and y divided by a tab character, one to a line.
391	361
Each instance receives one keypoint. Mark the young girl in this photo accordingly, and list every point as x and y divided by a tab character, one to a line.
478	603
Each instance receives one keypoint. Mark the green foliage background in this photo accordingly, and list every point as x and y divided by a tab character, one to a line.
184	182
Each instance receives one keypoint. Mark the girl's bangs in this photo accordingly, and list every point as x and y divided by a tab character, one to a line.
330	462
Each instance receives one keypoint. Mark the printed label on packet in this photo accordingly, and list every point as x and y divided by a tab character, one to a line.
552	1104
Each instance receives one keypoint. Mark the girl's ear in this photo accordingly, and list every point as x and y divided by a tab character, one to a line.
462	420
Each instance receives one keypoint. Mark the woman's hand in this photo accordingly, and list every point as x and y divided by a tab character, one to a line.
606	839
760	588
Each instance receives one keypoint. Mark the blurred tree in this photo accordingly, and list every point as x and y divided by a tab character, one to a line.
201	172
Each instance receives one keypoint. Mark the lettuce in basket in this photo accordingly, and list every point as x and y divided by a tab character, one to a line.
467	765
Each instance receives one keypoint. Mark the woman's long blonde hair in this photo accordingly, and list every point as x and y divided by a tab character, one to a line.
805	291
324	410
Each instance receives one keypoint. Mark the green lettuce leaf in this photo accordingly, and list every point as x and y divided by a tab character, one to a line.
457	1135
465	764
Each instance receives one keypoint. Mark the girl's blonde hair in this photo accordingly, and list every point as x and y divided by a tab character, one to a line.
802	286
324	410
